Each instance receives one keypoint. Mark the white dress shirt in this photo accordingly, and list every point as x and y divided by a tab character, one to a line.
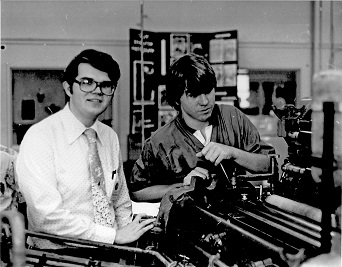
53	175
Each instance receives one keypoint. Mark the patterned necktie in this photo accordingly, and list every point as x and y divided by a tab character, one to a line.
100	201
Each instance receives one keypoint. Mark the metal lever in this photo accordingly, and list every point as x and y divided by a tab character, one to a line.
231	181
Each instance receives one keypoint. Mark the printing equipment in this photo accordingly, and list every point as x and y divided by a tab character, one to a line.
291	221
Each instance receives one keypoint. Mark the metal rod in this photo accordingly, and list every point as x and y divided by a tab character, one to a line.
225	174
277	210
99	245
332	49
36	256
320	33
214	258
280	250
285	229
242	231
142	79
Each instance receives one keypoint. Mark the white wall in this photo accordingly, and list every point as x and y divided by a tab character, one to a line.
272	35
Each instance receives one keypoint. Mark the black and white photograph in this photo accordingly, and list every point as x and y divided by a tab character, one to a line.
162	99
150	133
229	49
229	72
179	45
145	90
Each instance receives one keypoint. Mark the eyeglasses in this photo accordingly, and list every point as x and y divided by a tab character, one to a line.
88	85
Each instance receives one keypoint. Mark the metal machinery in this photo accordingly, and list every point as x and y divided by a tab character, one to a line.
292	221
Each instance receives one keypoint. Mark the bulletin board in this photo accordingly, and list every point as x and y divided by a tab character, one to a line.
37	93
149	109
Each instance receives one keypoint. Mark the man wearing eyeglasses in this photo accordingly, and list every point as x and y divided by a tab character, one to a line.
55	169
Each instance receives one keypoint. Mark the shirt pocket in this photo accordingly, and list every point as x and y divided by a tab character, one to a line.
115	186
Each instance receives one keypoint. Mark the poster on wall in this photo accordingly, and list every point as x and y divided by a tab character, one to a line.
215	51
223	56
179	46
37	94
223	47
162	102
149	108
229	74
229	49
149	93
225	74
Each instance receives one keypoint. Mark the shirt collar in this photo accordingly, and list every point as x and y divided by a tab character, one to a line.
74	128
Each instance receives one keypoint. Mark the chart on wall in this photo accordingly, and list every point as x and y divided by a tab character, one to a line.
144	65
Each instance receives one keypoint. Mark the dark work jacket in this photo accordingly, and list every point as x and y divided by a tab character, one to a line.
170	153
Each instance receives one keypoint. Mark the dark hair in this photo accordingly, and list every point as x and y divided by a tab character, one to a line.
191	73
98	60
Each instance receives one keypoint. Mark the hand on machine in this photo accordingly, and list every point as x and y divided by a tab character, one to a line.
131	232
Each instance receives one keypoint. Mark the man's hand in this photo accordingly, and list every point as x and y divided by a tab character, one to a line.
198	171
133	231
216	152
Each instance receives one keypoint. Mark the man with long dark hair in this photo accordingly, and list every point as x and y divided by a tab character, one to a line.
202	136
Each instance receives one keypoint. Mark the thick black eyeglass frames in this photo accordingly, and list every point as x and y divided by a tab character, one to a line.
88	85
